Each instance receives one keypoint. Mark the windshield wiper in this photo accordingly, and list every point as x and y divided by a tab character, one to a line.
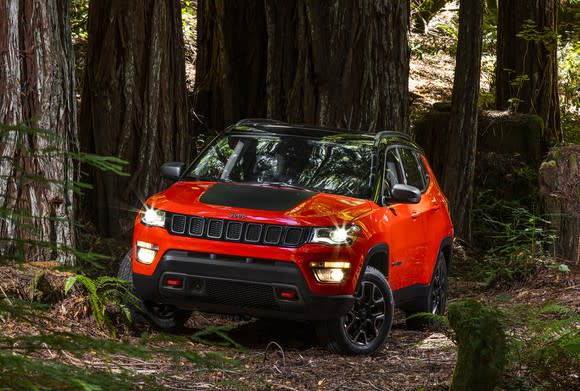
280	184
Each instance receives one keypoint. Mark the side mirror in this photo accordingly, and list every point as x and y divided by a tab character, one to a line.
172	170
406	194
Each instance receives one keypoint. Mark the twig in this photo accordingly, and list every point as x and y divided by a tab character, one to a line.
6	296
44	345
276	344
373	386
284	387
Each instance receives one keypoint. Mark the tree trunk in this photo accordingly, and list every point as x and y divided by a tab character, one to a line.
457	178
560	189
527	65
344	64
37	94
230	64
134	103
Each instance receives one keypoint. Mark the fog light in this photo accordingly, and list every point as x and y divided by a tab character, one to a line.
146	252
330	272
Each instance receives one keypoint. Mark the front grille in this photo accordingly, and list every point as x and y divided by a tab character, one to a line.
236	231
253	233
196	226
215	229
273	235
178	224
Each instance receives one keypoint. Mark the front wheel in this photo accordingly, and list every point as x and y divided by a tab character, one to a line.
162	317
363	329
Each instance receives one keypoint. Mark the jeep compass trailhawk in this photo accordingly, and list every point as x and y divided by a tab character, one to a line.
285	221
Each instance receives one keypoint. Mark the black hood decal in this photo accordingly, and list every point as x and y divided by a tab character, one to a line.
254	197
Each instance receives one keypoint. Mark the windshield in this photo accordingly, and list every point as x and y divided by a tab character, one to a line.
331	164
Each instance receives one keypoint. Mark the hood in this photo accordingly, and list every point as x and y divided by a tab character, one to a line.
260	203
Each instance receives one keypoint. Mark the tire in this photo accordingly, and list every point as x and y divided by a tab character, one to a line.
364	329
161	316
435	301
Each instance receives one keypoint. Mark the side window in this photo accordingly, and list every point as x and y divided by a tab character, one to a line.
413	175
393	173
426	178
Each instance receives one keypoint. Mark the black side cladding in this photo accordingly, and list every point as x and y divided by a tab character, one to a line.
254	197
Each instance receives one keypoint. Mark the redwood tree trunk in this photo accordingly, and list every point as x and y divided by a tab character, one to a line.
36	91
230	62
340	64
457	175
527	66
134	102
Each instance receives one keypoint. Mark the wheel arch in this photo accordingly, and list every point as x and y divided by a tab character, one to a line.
446	247
377	257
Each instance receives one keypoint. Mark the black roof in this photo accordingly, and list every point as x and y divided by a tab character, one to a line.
279	127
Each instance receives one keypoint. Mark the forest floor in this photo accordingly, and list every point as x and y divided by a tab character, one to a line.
259	354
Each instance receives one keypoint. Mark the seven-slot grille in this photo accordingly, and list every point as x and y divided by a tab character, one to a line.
236	231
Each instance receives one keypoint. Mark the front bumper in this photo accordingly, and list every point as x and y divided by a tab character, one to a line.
236	285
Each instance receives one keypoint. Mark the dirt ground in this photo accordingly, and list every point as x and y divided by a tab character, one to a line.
273	355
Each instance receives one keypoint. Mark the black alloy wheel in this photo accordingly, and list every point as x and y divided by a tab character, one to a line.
363	323
363	329
439	288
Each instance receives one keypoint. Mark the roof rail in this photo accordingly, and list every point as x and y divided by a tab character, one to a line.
387	133
259	121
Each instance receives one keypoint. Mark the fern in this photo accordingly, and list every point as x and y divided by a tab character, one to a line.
102	292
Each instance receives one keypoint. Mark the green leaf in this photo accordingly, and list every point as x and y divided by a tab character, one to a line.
69	283
564	268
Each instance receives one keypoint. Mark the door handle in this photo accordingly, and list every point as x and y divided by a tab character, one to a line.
414	215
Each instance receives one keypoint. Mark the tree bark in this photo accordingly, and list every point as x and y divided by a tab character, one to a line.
340	64
134	103
457	175
38	110
230	65
527	65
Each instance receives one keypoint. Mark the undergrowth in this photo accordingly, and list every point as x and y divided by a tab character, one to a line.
541	345
515	239
105	292
544	347
53	359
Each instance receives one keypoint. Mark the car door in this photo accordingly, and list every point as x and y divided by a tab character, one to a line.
405	241
420	215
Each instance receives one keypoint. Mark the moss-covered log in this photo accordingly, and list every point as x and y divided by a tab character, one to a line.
481	344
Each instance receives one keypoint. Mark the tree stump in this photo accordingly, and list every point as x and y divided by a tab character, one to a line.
560	189
481	346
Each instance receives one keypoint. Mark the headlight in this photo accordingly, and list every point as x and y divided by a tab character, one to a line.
330	272
153	217
335	235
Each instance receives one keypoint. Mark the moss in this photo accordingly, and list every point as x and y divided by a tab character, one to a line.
556	155
536	124
548	165
481	343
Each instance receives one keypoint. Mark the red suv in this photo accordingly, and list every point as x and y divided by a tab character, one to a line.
285	221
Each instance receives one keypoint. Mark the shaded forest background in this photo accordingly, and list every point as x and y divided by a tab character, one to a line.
114	89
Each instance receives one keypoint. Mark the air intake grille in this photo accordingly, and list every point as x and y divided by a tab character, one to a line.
241	294
236	231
